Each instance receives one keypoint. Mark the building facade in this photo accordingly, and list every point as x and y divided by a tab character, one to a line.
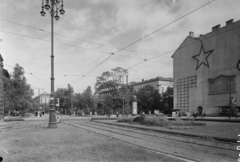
1	88
3	73
44	98
205	70
159	83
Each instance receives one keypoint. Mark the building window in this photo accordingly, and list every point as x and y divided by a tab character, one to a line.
222	85
183	86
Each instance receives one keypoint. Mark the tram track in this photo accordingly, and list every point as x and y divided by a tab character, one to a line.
193	140
142	140
133	144
19	126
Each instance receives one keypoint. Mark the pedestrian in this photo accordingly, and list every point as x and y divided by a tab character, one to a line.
232	112
195	115
200	110
36	113
58	120
117	114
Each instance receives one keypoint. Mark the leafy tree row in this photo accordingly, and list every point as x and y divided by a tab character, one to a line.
17	92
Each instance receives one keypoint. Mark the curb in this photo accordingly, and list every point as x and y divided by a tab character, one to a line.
212	120
103	119
206	137
9	120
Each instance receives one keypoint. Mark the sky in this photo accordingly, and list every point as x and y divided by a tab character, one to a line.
103	32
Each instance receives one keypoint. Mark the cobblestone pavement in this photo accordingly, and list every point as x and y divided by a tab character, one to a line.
178	146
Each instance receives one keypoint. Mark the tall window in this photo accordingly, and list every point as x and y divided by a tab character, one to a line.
222	84
183	86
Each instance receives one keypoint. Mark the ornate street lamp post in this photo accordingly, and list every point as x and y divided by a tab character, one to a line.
53	7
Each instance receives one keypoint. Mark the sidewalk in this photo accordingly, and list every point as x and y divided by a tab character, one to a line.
217	119
220	131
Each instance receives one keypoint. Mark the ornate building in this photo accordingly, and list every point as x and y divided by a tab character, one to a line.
160	83
205	70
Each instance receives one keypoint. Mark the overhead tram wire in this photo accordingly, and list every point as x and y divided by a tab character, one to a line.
66	44
121	49
130	56
29	73
144	53
184	47
165	52
54	42
164	26
93	68
147	36
133	42
39	78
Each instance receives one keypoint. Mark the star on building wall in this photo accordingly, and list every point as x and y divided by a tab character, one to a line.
202	57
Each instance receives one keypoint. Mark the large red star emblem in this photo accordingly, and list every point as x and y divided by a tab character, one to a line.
202	57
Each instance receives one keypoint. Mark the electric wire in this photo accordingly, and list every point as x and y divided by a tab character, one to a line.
140	38
29	73
54	42
147	36
133	42
181	47
164	26
93	68
144	53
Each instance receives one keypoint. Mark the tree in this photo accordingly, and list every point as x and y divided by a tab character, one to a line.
79	103
148	99
66	98
167	101
114	82
18	93
111	80
89	100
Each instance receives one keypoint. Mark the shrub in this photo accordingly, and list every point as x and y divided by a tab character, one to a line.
124	119
156	120
139	119
161	121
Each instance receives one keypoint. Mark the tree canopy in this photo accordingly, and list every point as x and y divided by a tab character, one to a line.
111	79
17	92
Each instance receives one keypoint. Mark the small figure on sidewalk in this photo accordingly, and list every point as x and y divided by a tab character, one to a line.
58	120
232	112
195	114
117	114
200	111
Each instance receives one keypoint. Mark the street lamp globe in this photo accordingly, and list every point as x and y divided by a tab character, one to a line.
57	17
62	11
42	12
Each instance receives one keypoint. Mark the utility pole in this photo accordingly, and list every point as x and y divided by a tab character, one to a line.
123	106
230	100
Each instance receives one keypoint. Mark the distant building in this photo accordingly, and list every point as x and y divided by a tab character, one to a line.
105	91
44	98
159	83
3	73
205	70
